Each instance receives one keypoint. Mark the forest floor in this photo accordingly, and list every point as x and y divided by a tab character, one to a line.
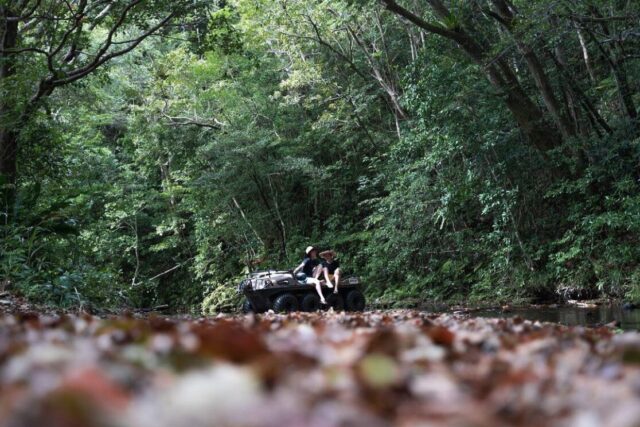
379	368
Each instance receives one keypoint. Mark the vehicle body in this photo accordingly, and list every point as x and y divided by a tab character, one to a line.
281	291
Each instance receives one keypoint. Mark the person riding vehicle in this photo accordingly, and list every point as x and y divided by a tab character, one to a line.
312	267
331	269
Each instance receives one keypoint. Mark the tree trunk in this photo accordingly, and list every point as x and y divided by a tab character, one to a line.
8	132
579	94
505	15
617	67
8	154
585	53
529	117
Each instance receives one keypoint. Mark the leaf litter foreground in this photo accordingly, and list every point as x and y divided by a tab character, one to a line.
402	368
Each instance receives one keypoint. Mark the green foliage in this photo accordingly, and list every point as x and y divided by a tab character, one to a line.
223	36
232	141
599	247
222	297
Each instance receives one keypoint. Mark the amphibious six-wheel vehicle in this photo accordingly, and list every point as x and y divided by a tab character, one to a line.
282	291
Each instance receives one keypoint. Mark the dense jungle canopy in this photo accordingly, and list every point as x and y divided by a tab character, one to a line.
152	151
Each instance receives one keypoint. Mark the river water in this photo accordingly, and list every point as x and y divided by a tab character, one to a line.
570	315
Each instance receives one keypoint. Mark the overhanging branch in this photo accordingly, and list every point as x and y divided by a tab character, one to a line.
394	7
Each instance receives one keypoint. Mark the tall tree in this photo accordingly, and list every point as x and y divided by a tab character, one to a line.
499	72
490	49
47	44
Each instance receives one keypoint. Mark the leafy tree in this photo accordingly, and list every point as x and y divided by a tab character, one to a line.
51	44
448	150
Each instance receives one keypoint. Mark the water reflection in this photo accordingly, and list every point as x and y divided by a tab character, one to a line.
572	316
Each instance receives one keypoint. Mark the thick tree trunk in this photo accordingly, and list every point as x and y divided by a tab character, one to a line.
544	86
8	154
8	132
529	117
505	14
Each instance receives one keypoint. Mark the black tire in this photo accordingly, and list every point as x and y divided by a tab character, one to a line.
247	307
355	300
310	302
336	301
285	303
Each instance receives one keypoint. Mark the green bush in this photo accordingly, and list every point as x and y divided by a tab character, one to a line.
223	297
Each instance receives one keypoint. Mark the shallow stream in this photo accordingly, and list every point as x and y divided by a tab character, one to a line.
571	315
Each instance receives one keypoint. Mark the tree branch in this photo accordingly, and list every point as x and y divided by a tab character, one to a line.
100	60
394	7
101	15
27	15
109	39
23	50
77	23
188	121
323	42
585	18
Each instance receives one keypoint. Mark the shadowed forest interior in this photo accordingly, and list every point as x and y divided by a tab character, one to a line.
153	152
